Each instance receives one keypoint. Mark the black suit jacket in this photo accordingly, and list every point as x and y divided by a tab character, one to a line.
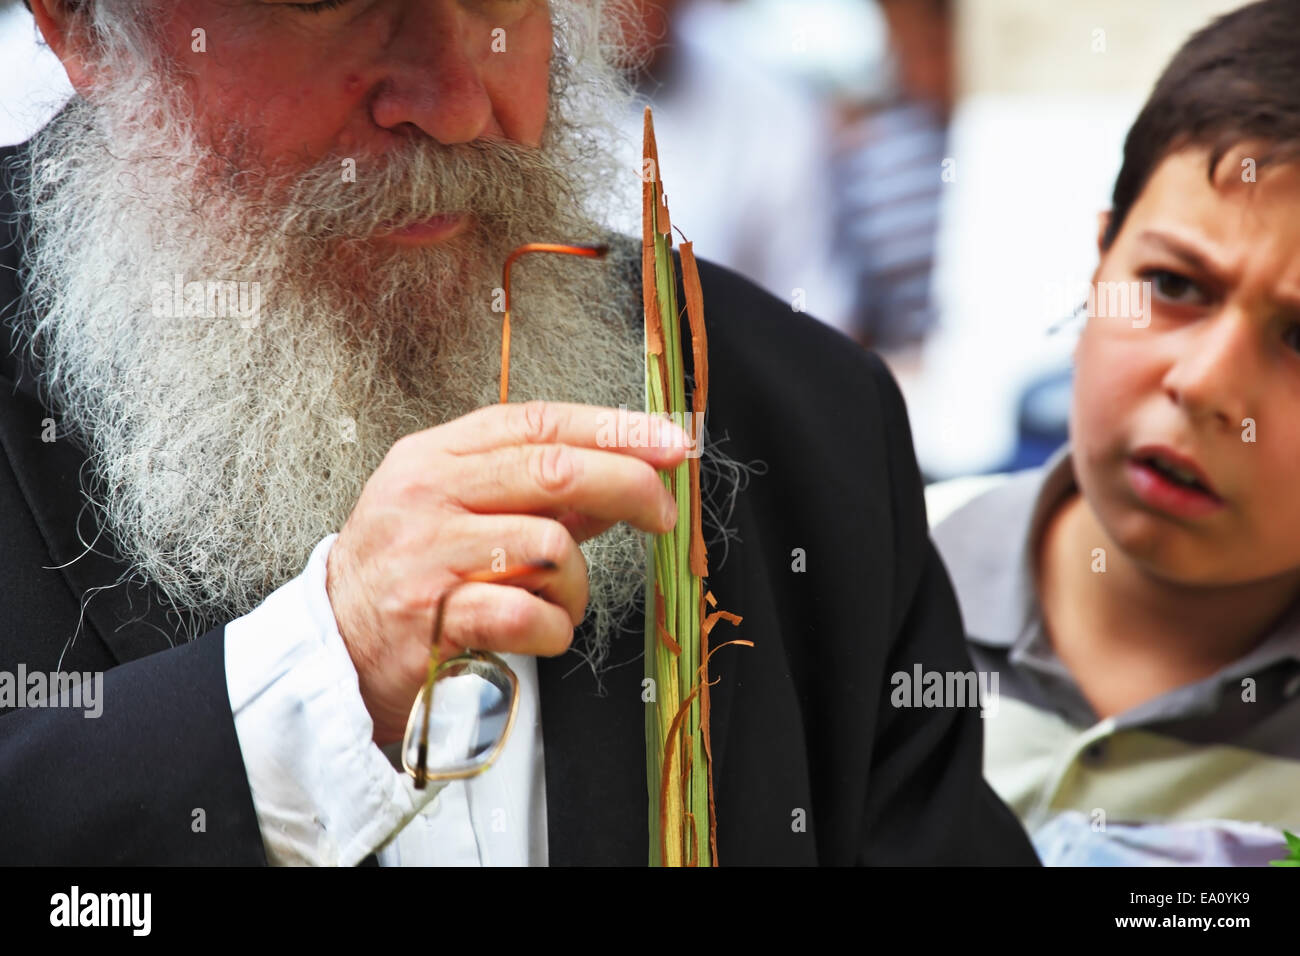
802	722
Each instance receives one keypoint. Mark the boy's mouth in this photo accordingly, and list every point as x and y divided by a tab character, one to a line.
1171	482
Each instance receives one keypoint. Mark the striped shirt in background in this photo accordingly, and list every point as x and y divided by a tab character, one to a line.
888	184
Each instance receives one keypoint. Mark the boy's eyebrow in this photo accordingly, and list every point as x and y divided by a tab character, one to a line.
1188	251
1205	262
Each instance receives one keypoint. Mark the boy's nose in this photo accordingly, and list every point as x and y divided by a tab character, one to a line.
1216	371
434	80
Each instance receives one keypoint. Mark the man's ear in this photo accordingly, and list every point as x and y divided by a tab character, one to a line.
56	21
1103	223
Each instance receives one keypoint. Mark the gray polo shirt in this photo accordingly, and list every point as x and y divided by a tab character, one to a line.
1207	773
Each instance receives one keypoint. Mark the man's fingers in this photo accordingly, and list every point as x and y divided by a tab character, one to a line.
638	434
555	479
496	542
505	619
583	527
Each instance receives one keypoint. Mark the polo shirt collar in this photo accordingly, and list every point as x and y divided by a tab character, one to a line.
995	588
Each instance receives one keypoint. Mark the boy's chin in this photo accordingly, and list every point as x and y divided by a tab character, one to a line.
1172	553
1174	558
1186	571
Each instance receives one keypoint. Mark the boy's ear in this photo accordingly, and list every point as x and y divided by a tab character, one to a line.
54	18
1103	223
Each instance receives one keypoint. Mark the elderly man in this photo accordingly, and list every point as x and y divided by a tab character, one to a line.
241	508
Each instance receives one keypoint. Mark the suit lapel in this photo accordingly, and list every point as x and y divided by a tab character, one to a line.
127	617
594	753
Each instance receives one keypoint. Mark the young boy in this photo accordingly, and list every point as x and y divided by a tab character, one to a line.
1142	612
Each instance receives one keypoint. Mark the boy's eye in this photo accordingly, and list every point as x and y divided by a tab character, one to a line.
1175	288
1291	337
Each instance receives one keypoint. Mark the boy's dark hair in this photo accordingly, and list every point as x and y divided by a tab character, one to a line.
1234	80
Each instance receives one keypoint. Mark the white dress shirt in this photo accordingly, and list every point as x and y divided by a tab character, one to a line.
324	792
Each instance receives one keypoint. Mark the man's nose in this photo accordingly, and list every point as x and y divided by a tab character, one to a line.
435	81
1216	370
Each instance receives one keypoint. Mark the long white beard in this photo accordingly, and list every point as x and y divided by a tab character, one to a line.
224	449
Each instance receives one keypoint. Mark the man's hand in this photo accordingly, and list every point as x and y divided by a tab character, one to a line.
528	479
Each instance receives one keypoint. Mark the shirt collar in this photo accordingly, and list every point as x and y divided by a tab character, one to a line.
994	585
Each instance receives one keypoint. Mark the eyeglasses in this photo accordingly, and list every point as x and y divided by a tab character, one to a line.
463	714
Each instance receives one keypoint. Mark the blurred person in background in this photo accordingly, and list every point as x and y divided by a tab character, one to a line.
746	154
889	165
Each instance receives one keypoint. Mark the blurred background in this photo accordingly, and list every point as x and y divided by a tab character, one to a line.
923	175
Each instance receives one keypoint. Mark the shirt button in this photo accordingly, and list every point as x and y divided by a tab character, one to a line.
1095	752
1292	687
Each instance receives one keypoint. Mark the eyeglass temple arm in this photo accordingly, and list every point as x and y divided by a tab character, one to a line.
590	252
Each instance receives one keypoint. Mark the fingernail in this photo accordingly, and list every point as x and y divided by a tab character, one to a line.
670	515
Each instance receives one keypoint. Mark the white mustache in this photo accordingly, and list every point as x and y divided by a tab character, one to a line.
488	179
